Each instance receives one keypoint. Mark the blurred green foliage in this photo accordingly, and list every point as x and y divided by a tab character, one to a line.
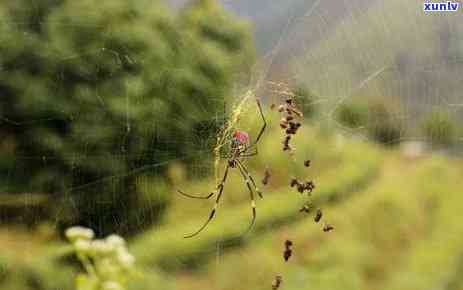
379	116
162	250
439	128
392	230
279	207
384	121
386	49
352	114
95	94
307	101
398	232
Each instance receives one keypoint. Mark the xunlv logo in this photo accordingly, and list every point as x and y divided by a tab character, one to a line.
440	6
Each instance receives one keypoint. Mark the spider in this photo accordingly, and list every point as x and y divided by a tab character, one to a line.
240	149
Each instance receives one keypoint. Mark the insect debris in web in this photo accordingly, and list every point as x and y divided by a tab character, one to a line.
318	215
277	282
308	186
328	227
302	187
286	145
294	182
289	122
288	250
266	177
306	208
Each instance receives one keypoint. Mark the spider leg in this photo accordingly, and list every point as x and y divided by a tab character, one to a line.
249	154
196	196
262	130
253	201
248	177
217	200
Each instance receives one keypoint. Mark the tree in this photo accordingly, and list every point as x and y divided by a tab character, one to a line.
439	128
307	100
384	124
95	94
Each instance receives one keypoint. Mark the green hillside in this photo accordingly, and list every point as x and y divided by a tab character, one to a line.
392	234
388	212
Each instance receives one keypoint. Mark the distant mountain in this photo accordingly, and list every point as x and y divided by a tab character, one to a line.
176	3
369	47
286	29
392	49
296	24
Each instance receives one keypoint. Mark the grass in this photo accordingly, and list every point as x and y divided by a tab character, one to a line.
436	261
171	251
396	227
398	233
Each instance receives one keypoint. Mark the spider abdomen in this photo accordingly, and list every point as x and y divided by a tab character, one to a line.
240	138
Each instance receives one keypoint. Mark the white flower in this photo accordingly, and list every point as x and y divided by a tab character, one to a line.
79	233
116	240
125	259
82	246
107	268
111	285
101	247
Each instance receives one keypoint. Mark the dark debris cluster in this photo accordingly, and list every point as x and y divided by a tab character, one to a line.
307	186
318	215
288	251
289	122
328	228
277	282
306	208
266	177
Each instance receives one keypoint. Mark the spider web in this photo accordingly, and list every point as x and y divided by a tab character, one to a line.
410	61
330	58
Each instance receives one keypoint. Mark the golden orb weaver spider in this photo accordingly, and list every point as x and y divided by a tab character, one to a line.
240	147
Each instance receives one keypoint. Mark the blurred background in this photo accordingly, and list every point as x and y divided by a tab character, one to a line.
108	107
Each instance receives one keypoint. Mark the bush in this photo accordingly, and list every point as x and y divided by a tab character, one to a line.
384	126
439	128
352	114
33	274
92	94
307	101
377	115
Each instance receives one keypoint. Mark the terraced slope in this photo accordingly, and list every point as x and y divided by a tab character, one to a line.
396	224
162	252
401	232
171	251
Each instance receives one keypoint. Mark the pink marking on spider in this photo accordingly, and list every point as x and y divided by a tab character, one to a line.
241	137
